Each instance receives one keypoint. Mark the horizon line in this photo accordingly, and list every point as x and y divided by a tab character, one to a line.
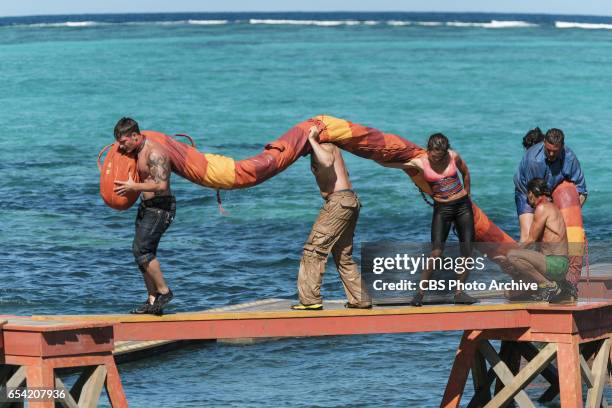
304	11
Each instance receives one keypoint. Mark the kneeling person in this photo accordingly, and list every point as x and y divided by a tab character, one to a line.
548	267
332	232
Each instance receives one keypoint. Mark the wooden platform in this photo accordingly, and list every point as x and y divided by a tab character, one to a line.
34	347
273	318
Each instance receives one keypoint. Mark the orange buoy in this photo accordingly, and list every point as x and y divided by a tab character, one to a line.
116	166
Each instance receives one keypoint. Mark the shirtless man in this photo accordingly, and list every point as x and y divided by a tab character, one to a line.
332	232
548	267
155	213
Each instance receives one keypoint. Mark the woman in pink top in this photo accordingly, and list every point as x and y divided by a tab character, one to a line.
439	170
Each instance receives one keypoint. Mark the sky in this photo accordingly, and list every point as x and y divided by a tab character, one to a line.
41	7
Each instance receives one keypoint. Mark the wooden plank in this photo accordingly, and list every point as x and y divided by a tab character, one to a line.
600	373
92	388
77	387
67	401
13	379
585	371
505	376
125	347
510	355
17	379
319	326
514	385
283	312
529	352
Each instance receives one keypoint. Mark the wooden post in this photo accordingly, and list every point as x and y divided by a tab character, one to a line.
113	384
570	382
461	368
40	375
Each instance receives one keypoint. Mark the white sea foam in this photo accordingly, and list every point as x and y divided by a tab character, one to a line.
492	24
429	23
207	22
328	23
67	24
322	23
397	23
586	26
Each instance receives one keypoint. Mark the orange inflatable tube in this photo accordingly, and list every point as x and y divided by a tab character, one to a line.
222	172
116	166
566	197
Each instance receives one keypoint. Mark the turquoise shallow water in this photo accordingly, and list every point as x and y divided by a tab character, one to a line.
234	87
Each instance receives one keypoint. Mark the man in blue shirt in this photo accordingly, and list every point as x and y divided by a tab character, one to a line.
552	161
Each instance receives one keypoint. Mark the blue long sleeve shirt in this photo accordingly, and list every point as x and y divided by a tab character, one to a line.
534	165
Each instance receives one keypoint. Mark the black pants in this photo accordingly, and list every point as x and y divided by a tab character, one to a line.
154	217
458	212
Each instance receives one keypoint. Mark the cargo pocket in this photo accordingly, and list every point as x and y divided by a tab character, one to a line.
347	207
320	241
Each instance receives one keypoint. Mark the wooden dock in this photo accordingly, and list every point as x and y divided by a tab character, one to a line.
35	347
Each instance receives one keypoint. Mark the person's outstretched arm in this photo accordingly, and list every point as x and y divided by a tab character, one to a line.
323	157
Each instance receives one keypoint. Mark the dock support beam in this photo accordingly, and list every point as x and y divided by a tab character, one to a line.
98	372
475	351
38	362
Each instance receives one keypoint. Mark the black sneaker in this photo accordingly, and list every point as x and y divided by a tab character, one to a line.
145	308
161	300
462	298
358	305
546	293
571	288
417	300
567	293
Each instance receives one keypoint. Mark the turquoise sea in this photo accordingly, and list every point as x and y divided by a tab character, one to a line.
235	82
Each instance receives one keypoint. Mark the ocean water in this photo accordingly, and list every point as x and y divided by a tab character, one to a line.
235	82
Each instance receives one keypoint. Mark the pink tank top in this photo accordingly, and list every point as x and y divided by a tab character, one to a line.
442	185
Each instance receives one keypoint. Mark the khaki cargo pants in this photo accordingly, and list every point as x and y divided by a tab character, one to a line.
332	232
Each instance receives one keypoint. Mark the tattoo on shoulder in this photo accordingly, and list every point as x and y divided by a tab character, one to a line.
159	167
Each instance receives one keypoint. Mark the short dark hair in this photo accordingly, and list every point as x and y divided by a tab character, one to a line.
555	136
532	137
438	141
126	126
538	187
